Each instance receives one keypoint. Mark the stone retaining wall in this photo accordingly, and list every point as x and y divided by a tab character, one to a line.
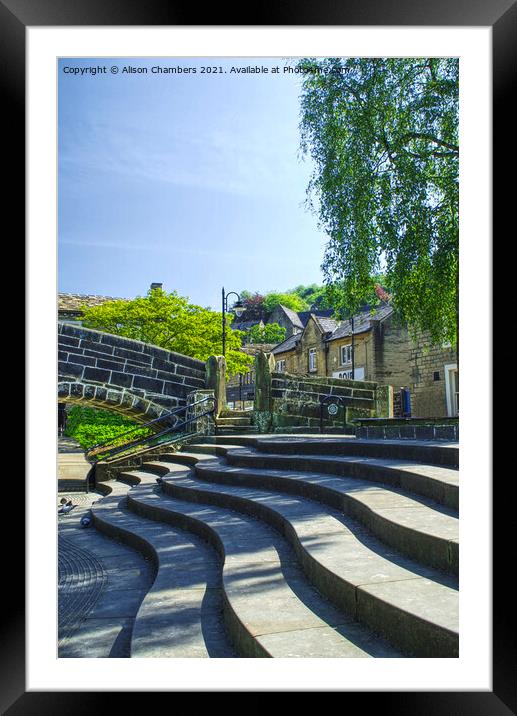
291	401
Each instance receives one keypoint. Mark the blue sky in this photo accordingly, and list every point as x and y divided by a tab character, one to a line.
191	180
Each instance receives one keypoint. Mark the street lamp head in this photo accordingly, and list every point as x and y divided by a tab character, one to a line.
238	308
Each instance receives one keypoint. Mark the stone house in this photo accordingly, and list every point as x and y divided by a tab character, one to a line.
288	319
383	351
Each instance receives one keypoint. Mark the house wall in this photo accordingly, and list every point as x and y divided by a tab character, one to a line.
402	360
428	391
363	359
311	339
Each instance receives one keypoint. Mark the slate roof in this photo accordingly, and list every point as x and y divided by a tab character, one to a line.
362	321
288	344
72	302
292	316
305	315
327	325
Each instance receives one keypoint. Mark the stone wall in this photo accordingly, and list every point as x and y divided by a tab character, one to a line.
286	401
124	375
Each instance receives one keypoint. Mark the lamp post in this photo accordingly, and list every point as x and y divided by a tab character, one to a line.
238	309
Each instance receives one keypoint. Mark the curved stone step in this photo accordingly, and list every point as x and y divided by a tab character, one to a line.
421	530
437	483
424	451
418	613
270	610
444	454
181	615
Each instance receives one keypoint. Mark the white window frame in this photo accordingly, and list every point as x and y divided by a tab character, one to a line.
280	365
348	348
313	361
452	401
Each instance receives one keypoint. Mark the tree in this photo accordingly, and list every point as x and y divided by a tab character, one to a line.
289	300
383	135
254	304
171	322
270	333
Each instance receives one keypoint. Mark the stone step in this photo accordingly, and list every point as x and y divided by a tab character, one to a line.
72	485
233	421
437	483
446	455
236	414
420	529
269	608
414	607
181	615
427	452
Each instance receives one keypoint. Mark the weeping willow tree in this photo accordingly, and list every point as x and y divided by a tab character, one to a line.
383	136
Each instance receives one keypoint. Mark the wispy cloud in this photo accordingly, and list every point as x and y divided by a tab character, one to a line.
234	162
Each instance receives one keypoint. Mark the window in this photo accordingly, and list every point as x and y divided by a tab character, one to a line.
312	360
346	354
280	366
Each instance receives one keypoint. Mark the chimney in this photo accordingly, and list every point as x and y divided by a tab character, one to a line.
155	286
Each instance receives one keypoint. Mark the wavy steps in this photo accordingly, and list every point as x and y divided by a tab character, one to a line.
309	562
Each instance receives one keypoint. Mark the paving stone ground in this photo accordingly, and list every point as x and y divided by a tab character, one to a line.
101	584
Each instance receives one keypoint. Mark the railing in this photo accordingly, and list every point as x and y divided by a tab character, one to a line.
108	450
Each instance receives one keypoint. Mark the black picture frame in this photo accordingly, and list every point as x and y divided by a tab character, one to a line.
501	16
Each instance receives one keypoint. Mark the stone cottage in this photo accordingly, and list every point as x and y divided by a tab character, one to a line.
377	347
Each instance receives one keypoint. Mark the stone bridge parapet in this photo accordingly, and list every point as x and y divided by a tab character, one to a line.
123	374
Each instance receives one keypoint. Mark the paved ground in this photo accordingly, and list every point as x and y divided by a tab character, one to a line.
101	584
68	445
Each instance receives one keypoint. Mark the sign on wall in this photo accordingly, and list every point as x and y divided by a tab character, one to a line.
347	374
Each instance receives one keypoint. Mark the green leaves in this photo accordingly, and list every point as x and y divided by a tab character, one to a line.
270	333
90	426
171	322
289	300
383	135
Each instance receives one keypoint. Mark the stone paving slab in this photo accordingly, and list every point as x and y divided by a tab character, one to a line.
99	638
261	596
99	626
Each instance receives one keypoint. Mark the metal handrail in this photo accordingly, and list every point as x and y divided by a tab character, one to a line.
102	451
180	409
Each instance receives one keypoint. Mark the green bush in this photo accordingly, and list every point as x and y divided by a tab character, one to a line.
90	426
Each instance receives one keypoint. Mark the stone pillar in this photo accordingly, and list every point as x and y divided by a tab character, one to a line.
263	404
384	401
216	381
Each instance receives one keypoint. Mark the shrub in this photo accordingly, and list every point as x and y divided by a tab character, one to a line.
90	426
